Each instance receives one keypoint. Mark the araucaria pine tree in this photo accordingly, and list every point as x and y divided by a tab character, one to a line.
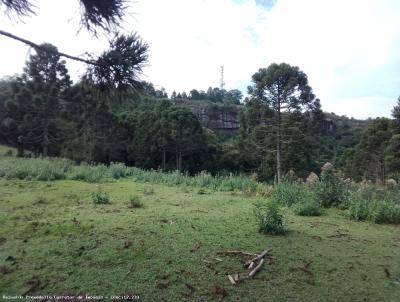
42	85
284	89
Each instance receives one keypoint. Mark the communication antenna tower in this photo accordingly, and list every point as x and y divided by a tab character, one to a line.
222	84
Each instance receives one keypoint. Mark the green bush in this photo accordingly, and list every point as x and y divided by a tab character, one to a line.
270	219
373	204
385	212
89	173
100	197
359	209
331	190
118	170
289	193
308	208
135	202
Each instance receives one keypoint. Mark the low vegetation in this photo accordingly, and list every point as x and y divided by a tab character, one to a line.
100	197
362	201
135	202
167	250
269	217
46	169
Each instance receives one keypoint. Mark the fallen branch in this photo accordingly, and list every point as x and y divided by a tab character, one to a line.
261	256
251	265
257	268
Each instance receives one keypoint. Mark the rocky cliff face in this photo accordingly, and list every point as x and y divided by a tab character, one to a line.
215	116
226	117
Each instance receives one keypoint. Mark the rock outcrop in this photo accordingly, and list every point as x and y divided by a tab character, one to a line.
215	116
225	118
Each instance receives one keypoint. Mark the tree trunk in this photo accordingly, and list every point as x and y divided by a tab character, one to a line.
180	160
177	158
46	139
163	160
20	146
20	150
278	144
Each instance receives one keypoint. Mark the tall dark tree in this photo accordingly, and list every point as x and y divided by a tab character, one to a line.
33	112
285	89
47	79
369	159
186	133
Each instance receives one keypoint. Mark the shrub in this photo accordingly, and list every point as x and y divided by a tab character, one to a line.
308	208
385	212
331	190
270	219
359	210
89	173
100	197
289	193
374	204
118	170
135	202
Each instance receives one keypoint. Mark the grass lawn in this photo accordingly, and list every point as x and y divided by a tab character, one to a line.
54	239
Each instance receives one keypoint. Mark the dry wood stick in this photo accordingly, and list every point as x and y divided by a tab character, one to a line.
256	269
231	280
261	256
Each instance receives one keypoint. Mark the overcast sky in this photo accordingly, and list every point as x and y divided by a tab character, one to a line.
350	49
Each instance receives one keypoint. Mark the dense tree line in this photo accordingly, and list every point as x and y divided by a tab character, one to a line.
377	156
214	95
118	118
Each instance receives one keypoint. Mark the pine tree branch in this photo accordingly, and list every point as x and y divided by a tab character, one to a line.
36	46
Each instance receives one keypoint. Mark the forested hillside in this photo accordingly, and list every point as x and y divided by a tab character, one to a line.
111	115
217	131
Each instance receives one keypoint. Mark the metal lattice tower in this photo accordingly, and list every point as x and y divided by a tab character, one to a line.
222	84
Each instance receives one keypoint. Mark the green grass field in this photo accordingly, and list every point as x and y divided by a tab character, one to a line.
54	239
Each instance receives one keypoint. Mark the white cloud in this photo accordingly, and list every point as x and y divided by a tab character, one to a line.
348	48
